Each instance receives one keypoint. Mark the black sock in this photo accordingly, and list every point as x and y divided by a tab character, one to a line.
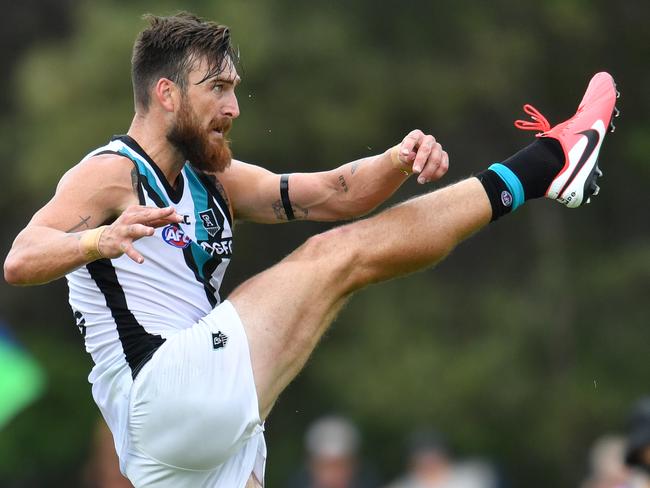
523	176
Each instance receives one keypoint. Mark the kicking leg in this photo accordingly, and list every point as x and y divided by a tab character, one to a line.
287	308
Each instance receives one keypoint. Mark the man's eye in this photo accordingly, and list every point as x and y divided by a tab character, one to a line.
218	87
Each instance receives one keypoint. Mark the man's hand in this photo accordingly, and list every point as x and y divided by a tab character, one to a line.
424	156
135	223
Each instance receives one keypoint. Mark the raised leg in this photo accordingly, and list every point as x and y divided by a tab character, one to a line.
287	308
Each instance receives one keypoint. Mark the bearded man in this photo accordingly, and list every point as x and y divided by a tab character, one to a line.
142	228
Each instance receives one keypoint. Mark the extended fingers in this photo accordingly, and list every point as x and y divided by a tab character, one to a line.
152	216
132	233
166	220
137	231
163	216
128	249
118	238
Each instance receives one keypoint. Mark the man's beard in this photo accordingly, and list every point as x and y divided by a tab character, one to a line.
194	143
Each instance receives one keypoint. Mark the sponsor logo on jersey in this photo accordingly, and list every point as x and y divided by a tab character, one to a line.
222	248
219	340
209	221
174	236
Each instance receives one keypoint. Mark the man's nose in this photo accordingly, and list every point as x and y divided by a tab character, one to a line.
231	107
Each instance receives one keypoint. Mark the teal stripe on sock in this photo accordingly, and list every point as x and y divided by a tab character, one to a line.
512	182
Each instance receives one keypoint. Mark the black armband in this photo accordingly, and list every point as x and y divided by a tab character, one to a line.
284	195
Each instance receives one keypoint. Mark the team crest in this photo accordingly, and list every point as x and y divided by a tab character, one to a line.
209	221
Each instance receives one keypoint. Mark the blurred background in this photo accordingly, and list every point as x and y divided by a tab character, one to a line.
521	350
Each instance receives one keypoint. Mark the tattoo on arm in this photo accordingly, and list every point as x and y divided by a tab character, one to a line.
217	184
134	180
343	184
278	210
82	223
354	167
298	211
221	191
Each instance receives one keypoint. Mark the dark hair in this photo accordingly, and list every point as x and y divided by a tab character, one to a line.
170	46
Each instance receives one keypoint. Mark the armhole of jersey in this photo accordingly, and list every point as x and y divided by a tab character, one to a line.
141	199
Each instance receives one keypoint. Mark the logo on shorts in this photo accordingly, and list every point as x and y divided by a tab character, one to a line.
81	322
174	236
219	340
506	198
209	221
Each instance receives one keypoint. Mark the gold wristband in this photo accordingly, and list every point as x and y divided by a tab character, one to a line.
397	164
89	243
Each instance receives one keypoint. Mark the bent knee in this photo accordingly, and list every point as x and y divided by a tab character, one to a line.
328	247
336	256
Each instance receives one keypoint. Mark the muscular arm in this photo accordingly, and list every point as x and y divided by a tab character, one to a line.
95	192
349	191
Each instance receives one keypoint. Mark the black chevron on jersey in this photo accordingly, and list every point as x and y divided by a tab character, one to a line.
137	343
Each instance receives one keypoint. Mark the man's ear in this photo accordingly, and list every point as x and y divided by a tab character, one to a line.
167	93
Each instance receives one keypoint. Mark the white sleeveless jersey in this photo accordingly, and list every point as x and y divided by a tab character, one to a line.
126	310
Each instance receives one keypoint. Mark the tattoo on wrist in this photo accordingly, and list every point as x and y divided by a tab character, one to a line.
343	184
280	214
83	223
354	167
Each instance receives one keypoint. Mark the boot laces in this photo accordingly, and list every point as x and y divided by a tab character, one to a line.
539	122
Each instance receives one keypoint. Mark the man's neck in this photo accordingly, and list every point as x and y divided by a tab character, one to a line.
151	136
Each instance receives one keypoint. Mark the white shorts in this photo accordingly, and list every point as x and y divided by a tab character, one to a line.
193	415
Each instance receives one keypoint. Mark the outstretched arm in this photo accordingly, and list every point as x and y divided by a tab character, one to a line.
95	192
348	191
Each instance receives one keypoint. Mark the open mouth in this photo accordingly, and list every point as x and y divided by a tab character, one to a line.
220	128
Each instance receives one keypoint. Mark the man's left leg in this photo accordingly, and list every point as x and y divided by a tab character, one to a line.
286	309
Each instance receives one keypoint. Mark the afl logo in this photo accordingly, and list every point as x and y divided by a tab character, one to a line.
174	236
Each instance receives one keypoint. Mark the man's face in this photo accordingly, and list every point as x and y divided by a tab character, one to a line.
333	471
204	118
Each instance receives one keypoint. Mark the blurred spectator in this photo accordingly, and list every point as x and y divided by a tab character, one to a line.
606	464
637	452
332	445
430	465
